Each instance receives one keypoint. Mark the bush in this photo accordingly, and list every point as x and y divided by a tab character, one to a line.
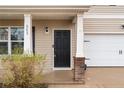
22	70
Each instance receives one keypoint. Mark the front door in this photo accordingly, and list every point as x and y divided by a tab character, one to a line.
61	48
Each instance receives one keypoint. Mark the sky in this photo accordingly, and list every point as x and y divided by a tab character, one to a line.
61	2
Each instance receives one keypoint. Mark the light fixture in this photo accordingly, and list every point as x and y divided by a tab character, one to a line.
122	26
46	30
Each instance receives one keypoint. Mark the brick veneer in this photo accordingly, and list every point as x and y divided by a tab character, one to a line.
78	68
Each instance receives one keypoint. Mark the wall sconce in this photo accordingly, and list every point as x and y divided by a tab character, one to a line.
46	30
122	26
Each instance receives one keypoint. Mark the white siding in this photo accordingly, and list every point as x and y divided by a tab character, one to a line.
103	25
105	9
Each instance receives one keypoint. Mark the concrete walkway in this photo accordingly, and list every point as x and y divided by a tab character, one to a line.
61	77
98	78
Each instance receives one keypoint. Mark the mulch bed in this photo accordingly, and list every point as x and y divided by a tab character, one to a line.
39	85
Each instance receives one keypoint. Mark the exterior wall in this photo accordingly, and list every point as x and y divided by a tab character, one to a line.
43	41
11	23
104	24
106	9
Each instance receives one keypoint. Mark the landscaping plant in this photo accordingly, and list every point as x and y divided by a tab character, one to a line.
22	70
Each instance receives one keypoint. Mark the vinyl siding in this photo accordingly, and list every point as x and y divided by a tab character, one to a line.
104	25
44	42
105	9
11	22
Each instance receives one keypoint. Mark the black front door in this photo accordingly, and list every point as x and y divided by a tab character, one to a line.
61	48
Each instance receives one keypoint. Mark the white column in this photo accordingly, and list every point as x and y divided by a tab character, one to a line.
27	34
80	36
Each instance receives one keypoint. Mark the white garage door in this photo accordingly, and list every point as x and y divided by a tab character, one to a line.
104	50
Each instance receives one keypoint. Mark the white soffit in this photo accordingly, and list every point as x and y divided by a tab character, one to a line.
85	7
42	9
41	12
38	16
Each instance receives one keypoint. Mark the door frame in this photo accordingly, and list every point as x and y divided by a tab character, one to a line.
71	60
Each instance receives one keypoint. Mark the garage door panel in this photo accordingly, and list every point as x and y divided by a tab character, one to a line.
103	50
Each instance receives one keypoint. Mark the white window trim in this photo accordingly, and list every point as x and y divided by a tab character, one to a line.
3	40
9	41
10	26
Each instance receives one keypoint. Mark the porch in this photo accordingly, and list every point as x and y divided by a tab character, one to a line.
41	41
94	78
61	77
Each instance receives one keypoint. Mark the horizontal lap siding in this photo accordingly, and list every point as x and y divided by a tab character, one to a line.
11	22
43	42
103	25
105	9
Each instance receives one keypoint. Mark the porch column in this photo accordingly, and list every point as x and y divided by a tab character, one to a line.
27	33
79	59
80	36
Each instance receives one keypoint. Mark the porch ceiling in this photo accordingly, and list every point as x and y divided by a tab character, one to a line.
41	12
38	16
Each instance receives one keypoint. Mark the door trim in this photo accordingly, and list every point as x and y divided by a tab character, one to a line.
71	60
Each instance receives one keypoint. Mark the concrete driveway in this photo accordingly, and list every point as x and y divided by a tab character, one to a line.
99	78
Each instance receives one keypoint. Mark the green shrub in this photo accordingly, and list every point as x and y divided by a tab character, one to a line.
17	50
22	70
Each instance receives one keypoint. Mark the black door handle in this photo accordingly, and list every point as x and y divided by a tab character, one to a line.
120	52
52	46
87	58
54	55
86	40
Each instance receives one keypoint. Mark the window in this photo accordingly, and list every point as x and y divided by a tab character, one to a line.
11	40
17	33
17	40
3	33
3	40
17	47
3	47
